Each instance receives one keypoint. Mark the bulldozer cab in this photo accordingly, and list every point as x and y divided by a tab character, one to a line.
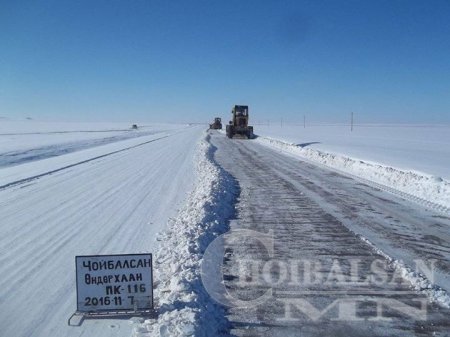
240	115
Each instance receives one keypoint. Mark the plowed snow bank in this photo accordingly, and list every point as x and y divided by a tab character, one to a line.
419	185
184	307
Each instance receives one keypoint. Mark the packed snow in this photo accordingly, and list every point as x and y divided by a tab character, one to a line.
70	189
109	199
185	307
319	213
24	141
412	159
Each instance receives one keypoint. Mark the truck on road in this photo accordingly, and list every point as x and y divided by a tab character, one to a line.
238	126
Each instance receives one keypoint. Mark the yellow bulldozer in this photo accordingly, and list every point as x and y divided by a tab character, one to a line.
238	126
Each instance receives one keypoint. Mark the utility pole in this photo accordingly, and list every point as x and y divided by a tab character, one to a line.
351	122
281	121
304	121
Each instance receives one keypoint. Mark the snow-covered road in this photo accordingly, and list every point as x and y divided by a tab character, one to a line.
320	216
105	200
25	141
115	198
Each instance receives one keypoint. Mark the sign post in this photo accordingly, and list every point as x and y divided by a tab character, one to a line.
114	284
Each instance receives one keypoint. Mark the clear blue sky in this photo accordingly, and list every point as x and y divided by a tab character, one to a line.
146	60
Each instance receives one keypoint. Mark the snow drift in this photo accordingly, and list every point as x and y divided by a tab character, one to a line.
184	307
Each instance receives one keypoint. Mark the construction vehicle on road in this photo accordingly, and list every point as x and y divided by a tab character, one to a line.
217	125
238	126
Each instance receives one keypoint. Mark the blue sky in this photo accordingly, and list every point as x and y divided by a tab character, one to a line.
145	60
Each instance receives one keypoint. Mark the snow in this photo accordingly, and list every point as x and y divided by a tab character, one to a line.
31	170
298	200
418	281
411	159
108	199
186	308
406	147
83	189
23	141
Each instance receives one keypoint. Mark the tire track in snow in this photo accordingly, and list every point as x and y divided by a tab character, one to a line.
314	214
65	210
112	205
29	179
69	211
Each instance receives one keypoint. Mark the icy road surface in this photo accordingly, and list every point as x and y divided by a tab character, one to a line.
320	216
109	199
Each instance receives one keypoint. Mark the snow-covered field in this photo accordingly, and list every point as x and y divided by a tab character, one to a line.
408	158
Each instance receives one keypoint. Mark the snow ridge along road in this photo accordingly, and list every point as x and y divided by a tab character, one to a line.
185	308
427	190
